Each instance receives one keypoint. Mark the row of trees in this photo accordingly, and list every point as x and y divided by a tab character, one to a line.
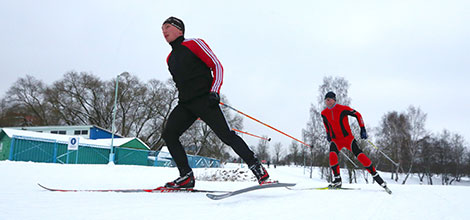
400	136
82	98
404	145
144	107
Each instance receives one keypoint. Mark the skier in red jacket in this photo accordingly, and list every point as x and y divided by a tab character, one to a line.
198	76
338	132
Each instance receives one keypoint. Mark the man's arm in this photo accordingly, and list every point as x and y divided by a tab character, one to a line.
358	116
327	127
203	51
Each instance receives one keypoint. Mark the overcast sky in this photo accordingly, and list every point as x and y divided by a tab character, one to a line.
275	53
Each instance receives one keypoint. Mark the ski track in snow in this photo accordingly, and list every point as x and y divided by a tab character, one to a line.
21	198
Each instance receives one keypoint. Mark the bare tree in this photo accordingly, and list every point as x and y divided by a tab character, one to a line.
261	150
417	120
165	96
315	135
142	105
394	138
26	98
425	159
134	108
294	151
82	98
458	153
278	152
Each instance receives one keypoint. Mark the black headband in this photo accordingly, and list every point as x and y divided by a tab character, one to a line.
178	23
330	95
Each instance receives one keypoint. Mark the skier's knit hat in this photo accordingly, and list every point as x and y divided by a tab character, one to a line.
330	95
178	23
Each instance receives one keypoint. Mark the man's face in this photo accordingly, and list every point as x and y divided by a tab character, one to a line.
330	102
170	32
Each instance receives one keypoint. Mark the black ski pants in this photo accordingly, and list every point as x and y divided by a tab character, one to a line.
184	115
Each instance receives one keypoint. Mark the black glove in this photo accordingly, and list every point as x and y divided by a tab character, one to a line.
214	99
328	137
363	133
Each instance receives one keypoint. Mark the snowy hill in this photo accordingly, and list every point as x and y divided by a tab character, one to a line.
21	198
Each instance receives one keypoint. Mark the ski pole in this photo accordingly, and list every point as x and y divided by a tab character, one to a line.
269	126
345	155
385	155
244	132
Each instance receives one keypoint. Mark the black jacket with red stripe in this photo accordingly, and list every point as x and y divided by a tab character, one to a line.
194	68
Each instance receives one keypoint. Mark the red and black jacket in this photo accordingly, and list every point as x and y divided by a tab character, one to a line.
336	121
194	68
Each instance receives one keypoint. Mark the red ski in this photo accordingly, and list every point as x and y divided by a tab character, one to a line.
156	190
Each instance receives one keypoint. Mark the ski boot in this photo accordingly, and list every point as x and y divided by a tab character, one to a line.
384	185
260	173
336	184
186	181
381	182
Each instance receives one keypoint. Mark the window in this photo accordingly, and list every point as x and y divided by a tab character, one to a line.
62	132
54	132
81	132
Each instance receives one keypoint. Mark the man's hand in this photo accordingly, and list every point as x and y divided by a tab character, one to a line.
363	133
214	99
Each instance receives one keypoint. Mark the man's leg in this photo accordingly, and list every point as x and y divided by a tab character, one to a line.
216	121
366	162
179	121
334	164
214	117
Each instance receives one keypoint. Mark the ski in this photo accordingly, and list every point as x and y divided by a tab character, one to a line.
324	188
248	189
156	190
329	188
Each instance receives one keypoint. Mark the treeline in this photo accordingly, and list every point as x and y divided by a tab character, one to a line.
401	136
84	99
144	107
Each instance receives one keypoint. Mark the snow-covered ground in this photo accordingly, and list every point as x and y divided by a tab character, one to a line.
21	198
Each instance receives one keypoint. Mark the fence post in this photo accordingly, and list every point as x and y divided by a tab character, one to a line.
116	155
67	160
155	163
76	155
10	157
54	158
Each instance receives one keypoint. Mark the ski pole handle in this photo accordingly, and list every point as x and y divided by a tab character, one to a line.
269	126
244	132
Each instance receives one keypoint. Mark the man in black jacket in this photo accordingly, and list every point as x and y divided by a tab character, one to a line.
198	76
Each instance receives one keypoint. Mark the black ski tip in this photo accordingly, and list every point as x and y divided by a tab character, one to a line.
248	189
211	196
218	197
43	186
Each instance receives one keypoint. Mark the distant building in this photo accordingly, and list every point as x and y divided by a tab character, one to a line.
49	144
22	145
86	131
